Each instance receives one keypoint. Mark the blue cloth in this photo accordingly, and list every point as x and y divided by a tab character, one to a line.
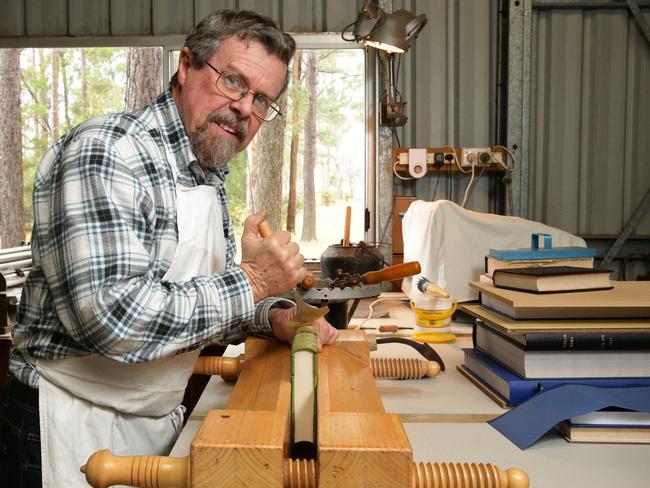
526	423
20	441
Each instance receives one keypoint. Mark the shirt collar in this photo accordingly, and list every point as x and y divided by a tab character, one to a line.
175	136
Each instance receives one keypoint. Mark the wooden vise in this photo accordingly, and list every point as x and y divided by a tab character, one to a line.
248	444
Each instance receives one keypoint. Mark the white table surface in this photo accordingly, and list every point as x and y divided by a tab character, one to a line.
445	420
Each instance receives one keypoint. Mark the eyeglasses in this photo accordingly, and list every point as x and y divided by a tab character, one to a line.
235	88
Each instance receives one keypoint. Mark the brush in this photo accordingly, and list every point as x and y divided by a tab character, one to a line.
431	289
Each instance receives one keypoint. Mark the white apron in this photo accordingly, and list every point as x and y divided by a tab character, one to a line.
91	403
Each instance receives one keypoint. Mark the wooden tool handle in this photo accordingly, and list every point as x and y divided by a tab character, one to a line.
104	469
227	368
346	234
266	231
435	291
392	273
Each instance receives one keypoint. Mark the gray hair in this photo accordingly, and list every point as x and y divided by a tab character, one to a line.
245	25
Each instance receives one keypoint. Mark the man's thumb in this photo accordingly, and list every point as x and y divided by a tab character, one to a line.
252	222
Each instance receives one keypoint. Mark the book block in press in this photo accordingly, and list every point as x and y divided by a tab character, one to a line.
509	389
552	279
626	299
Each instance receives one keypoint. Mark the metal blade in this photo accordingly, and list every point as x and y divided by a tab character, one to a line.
306	314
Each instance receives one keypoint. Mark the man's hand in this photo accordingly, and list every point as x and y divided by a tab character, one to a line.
273	264
280	317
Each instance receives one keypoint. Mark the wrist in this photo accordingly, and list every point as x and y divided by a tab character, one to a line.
259	291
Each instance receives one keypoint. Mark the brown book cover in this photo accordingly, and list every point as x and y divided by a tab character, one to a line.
626	299
552	279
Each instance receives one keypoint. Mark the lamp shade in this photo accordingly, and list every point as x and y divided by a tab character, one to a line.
397	30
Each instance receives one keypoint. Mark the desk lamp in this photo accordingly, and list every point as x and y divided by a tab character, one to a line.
391	34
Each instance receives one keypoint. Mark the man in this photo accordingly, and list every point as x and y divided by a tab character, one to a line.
133	260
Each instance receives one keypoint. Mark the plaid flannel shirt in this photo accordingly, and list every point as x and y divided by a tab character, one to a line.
104	235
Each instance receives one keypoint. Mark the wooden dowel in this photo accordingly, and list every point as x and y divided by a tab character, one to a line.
346	233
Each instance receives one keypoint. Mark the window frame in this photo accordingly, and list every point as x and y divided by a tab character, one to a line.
330	40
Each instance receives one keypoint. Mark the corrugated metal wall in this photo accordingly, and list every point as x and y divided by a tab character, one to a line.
590	120
448	79
161	17
590	110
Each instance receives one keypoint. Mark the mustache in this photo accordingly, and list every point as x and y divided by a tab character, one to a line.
228	118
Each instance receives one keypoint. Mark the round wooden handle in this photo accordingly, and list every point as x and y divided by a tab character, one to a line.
227	368
392	273
265	229
346	233
104	469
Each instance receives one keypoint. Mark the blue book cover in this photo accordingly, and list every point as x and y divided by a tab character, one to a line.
542	250
515	390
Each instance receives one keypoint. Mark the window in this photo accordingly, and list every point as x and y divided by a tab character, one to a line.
60	88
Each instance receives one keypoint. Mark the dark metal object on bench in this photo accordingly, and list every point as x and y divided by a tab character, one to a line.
15	265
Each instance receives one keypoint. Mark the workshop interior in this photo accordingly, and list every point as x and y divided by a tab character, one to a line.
492	139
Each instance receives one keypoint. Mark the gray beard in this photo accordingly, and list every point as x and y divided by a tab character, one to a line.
214	152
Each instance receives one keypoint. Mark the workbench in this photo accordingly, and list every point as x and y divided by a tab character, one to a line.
445	420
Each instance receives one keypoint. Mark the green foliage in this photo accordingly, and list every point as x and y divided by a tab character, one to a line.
105	87
236	190
327	198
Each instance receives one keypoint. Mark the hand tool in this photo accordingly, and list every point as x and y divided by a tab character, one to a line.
305	314
350	280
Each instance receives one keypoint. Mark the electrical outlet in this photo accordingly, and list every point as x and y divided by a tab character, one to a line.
496	158
475	156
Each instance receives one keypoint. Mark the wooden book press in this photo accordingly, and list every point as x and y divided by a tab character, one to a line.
248	444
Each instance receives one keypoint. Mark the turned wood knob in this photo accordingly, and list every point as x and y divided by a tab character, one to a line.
104	469
227	368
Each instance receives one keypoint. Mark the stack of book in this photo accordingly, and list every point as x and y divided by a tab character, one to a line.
529	341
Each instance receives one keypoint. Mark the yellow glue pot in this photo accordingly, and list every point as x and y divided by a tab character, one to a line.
433	318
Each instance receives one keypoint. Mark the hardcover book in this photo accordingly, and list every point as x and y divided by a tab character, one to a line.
550	279
566	334
508	389
626	299
604	434
561	364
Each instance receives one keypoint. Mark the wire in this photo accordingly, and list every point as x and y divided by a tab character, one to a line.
371	310
435	189
472	184
394	131
512	157
469	186
507	178
345	30
399	176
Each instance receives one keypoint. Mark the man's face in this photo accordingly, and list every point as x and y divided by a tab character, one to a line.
219	127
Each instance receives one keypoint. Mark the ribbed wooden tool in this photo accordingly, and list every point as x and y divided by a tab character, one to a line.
105	469
382	368
403	368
